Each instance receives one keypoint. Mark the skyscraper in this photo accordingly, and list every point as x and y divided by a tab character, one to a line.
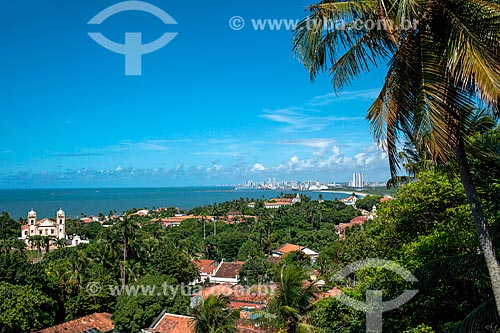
357	180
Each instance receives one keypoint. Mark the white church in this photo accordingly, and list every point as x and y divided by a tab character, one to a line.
47	227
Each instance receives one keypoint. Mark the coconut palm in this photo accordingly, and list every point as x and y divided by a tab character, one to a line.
47	240
446	62
127	228
213	315
415	159
36	241
59	242
77	265
291	301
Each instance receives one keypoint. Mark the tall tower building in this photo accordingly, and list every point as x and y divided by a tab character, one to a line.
357	180
32	222
61	223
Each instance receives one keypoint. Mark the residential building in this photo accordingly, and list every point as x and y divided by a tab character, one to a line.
251	298
287	248
227	272
142	212
340	229
171	323
206	268
350	201
96	322
278	202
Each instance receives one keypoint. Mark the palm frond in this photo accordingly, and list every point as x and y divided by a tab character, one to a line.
483	319
330	27
463	267
471	51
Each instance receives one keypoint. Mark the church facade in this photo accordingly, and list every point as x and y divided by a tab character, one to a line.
44	227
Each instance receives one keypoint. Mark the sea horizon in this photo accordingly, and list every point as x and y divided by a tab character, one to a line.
95	200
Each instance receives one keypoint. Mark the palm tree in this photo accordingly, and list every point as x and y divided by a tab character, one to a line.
108	243
291	301
127	229
36	241
47	240
59	242
436	71
214	315
77	263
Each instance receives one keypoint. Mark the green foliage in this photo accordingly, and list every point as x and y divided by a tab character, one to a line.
141	302
420	329
427	223
213	315
8	227
83	303
332	316
171	262
250	249
291	301
368	202
229	245
24	309
256	270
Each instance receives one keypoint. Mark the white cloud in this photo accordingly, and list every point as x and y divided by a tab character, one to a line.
214	168
360	95
258	167
321	145
333	160
308	117
296	118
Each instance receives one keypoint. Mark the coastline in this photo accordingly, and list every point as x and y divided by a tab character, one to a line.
343	192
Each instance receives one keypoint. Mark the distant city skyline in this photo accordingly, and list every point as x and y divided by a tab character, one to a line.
214	106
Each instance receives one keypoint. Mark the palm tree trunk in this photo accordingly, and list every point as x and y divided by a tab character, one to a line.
485	241
124	259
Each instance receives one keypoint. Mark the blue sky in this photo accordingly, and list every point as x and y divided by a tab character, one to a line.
215	106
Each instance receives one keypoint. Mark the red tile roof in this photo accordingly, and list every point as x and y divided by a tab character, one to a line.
386	198
100	321
245	326
172	323
352	197
359	220
217	290
229	269
287	248
273	260
205	266
330	293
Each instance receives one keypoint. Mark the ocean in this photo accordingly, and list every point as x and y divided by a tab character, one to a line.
94	201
